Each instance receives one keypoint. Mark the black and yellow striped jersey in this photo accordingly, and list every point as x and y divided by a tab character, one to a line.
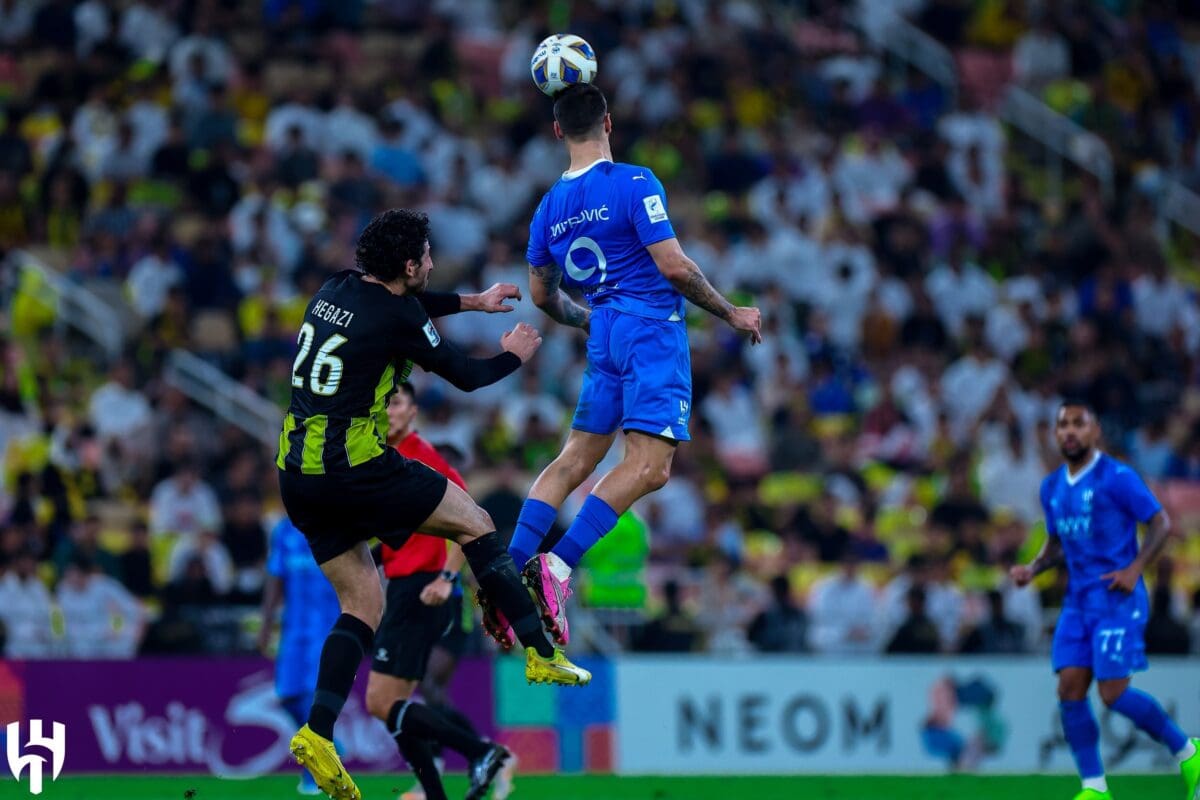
357	341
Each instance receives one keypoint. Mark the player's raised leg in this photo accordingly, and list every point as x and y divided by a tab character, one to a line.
417	727
459	519
1082	731
356	582
578	459
1145	712
645	468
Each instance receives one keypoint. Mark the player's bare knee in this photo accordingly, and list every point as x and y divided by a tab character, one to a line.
1111	690
653	476
364	604
1072	689
379	700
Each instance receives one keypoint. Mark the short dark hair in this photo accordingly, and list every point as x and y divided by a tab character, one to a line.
390	241
1079	402
579	110
407	388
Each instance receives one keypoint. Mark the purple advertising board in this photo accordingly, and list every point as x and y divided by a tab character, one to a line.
216	716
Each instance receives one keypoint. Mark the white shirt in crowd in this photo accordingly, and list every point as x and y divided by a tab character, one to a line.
841	611
1160	305
969	386
217	562
1039	57
149	281
118	412
187	510
101	618
25	608
958	294
945	605
1010	482
736	426
281	119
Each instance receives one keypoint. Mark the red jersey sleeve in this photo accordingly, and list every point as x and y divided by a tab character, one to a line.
421	553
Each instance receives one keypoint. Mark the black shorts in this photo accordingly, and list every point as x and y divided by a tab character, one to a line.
454	641
389	497
409	629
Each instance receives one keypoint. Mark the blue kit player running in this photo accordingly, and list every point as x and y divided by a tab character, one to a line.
310	607
604	230
1093	505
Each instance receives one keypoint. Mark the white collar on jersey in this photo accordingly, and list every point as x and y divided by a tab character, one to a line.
570	176
1074	479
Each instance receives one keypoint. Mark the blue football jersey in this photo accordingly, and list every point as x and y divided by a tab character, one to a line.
595	224
1095	515
310	605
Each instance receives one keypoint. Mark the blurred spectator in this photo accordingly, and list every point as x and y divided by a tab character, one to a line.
207	548
117	410
184	504
1041	54
84	543
1010	476
136	568
101	619
25	609
997	634
151	277
673	631
917	633
782	626
728	599
841	613
245	539
1165	634
503	502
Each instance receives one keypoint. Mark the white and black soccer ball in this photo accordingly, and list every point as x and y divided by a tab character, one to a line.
562	60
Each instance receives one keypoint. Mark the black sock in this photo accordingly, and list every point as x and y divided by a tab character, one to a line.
421	721
347	643
457	717
497	576
420	760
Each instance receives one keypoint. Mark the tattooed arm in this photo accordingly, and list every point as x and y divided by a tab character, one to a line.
549	297
687	278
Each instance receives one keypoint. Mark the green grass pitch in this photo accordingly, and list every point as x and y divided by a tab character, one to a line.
589	787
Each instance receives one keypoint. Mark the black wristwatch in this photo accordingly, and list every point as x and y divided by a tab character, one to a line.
447	575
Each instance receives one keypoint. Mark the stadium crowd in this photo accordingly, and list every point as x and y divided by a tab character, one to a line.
857	484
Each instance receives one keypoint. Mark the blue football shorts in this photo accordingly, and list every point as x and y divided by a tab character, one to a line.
639	377
1103	632
297	662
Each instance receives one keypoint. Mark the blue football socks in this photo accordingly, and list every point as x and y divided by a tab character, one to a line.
1083	737
595	519
1145	712
533	524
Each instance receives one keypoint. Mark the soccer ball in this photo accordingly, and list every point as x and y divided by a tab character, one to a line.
562	60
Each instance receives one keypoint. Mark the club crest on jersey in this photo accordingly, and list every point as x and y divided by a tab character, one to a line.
655	209
431	334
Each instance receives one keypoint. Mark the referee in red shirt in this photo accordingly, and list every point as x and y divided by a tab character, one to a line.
421	607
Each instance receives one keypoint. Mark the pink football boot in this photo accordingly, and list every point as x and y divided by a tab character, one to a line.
550	592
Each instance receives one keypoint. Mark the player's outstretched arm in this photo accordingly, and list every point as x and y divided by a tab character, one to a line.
547	294
442	304
1050	557
685	276
467	373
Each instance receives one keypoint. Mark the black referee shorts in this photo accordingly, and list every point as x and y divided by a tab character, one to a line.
389	496
457	636
409	629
